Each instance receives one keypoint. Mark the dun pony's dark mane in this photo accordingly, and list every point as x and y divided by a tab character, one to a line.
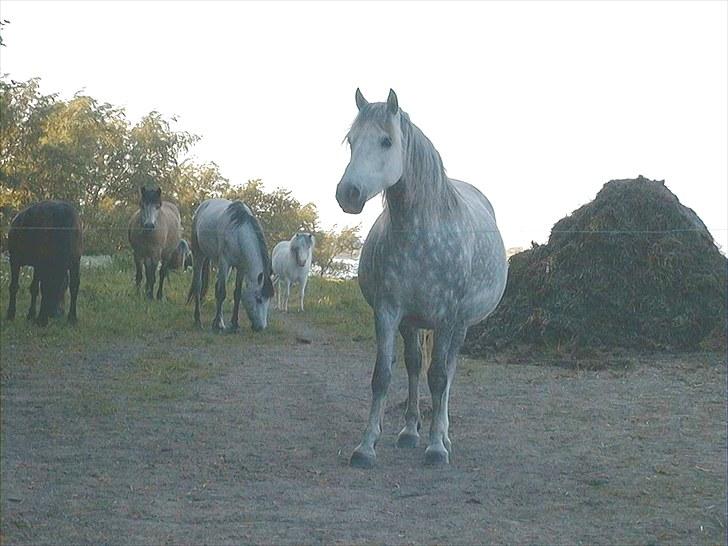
240	215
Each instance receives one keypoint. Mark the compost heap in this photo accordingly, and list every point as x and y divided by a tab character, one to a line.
633	268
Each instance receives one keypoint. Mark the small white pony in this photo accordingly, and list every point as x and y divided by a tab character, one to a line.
291	264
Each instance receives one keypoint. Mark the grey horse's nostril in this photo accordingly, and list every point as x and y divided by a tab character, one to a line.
353	194
148	225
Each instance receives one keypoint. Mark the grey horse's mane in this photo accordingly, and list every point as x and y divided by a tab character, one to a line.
424	184
240	215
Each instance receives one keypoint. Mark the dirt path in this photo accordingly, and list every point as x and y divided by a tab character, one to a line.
256	451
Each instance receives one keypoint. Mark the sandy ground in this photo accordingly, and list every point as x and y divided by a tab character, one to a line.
256	450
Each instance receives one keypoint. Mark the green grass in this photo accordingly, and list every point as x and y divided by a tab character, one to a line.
339	305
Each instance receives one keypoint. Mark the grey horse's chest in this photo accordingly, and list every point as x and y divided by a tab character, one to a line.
425	276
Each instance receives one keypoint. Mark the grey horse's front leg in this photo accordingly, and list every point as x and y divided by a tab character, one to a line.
445	349
385	324
410	434
218	324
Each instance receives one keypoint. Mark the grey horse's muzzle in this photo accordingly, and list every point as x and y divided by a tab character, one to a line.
349	197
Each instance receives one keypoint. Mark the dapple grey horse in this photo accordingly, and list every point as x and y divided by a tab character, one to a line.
434	259
226	233
292	264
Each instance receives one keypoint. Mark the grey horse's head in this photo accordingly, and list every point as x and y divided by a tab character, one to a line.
149	205
301	245
377	153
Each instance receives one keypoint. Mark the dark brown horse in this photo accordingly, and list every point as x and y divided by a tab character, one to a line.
154	234
48	237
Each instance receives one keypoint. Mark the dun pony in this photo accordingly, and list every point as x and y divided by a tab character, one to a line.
154	233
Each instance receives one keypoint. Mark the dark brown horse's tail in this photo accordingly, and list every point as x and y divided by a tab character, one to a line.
200	286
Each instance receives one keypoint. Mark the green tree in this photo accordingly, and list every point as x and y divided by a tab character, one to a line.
279	212
333	244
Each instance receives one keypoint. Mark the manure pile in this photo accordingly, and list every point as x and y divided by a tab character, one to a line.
633	268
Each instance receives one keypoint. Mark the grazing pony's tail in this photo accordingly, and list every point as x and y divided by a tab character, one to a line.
205	277
200	286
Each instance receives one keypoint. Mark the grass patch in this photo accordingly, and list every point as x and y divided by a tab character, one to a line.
339	305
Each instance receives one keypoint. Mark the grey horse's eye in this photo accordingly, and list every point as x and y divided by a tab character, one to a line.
386	142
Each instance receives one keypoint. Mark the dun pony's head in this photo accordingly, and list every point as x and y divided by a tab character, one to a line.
149	204
301	246
377	153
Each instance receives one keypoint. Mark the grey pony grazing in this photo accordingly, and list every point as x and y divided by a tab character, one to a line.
154	233
434	259
226	233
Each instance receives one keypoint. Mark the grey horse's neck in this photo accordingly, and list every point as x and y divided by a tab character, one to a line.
423	193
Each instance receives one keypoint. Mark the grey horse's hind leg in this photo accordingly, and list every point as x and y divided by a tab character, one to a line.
446	346
385	325
196	287
234	325
223	270
409	435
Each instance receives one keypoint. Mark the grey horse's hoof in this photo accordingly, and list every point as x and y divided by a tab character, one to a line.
436	457
360	459
233	328
217	327
407	440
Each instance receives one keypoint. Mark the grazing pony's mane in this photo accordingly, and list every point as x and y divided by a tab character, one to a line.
240	215
424	186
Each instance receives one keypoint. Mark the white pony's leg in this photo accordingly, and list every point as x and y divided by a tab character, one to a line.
288	293
385	326
440	375
223	270
303	289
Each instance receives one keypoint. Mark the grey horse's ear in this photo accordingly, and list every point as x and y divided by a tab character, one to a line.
312	239
361	102
392	104
141	191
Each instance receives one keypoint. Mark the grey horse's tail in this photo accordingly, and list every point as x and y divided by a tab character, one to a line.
201	285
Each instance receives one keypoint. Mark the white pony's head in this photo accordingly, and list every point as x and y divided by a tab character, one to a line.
301	247
377	153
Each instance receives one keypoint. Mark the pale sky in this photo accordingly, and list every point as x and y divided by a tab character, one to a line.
538	104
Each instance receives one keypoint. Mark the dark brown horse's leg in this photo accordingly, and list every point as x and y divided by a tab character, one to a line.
14	275
34	285
138	278
162	274
150	269
47	291
234	326
75	281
